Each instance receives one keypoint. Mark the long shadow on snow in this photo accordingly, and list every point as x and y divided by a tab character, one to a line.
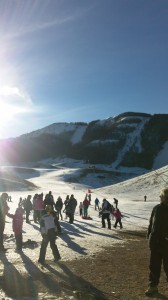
35	227
36	274
71	229
72	245
87	223
97	233
138	217
13	283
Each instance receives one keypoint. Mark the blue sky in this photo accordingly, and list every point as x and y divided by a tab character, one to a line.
75	60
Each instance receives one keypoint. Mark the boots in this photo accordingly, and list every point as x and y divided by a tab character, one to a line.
152	290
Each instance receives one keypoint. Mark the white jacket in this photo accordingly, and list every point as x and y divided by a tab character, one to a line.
47	222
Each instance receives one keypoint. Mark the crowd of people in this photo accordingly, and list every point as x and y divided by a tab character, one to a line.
47	213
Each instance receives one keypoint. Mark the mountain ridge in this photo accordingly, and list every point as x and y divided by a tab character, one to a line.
131	139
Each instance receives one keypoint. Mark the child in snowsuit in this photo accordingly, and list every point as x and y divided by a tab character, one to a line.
118	217
48	232
17	225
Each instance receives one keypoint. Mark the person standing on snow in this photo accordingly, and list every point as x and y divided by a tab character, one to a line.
158	242
97	203
28	207
17	225
3	211
70	208
65	203
49	200
105	213
38	205
81	209
118	217
58	207
116	202
86	204
48	231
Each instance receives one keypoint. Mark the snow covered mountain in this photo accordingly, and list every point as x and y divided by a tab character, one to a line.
128	140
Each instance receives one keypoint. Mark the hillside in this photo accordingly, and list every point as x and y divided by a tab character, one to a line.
128	140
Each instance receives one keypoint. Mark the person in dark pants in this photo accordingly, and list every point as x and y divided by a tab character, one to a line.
97	203
58	207
48	231
118	217
3	211
116	202
158	242
105	213
49	200
28	207
70	208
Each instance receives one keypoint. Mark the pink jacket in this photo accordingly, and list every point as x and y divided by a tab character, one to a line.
17	223
117	214
39	204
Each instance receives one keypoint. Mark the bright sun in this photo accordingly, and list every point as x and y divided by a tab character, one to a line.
6	113
8	118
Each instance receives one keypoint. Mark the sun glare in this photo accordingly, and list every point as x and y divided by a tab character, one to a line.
6	113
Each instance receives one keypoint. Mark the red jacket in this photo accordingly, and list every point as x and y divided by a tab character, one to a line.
117	214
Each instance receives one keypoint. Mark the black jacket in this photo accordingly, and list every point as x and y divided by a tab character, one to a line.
158	227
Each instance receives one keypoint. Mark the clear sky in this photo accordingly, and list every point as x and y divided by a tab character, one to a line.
75	60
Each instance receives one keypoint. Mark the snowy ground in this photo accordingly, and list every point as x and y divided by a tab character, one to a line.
85	237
